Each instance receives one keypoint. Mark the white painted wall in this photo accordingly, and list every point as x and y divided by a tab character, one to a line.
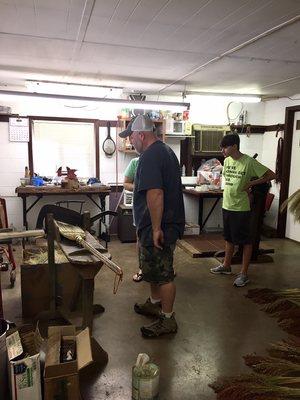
292	227
13	159
274	114
210	110
14	156
213	111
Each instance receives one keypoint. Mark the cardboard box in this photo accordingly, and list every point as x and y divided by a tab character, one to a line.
23	349
61	379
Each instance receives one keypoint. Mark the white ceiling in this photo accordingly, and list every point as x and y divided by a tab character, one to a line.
241	46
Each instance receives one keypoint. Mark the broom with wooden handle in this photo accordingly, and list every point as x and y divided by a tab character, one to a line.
75	233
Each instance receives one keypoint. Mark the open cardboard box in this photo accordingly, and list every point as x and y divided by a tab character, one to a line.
23	349
61	379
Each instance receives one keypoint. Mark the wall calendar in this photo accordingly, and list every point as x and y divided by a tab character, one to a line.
18	130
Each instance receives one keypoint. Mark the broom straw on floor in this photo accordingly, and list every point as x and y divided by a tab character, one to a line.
264	295
288	349
256	386
76	234
272	365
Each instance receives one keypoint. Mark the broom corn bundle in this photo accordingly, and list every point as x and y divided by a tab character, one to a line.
257	387
288	355
283	304
263	296
293	204
280	306
277	376
272	366
288	349
291	326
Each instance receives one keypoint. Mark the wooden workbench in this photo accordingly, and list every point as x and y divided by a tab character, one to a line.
40	191
200	196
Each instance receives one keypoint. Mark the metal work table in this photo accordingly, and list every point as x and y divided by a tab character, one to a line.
214	194
41	191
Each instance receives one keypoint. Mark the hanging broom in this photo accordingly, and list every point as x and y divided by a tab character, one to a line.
293	204
75	233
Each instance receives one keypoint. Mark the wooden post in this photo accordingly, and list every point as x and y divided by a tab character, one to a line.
51	260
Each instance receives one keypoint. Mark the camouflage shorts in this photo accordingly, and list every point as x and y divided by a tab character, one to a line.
156	264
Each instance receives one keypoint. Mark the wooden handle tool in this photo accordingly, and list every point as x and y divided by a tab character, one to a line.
23	234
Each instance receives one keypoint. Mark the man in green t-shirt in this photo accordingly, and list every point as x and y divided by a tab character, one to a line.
128	184
241	172
129	174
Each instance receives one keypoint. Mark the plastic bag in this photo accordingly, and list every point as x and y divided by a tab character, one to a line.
210	173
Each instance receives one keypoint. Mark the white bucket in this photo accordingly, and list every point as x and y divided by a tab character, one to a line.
4	326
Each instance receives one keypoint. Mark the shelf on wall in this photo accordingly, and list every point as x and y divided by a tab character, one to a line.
127	151
128	119
174	136
253	128
205	154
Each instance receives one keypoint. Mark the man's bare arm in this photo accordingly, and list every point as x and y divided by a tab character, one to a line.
267	177
128	184
155	203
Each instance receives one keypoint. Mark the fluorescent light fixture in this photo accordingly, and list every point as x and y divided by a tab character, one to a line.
153	105
243	98
77	89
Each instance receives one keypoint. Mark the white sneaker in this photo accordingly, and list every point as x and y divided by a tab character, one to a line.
241	280
220	269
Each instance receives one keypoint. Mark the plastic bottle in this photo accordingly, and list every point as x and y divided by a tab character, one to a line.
183	170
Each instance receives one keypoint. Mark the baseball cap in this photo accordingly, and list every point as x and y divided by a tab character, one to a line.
142	123
127	132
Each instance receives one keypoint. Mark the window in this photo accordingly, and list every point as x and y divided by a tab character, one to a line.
66	144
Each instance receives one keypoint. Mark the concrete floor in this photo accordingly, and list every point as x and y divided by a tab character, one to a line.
217	324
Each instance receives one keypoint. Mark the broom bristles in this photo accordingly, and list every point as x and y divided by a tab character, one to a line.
261	296
70	232
280	305
293	204
272	366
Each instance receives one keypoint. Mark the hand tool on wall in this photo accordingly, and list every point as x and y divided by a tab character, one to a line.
109	146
